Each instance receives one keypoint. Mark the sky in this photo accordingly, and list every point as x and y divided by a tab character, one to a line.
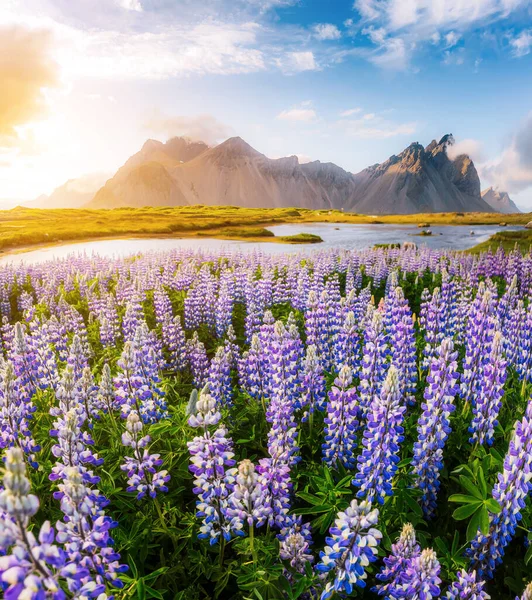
84	83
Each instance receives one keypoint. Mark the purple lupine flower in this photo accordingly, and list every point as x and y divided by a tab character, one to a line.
137	383
198	361
174	339
73	446
403	345
15	414
294	547
23	360
524	352
251	375
478	342
383	434
32	567
45	363
341	422
106	391
219	378
84	533
88	393
467	587
352	545
433	424
212	466
487	402
142	468
421	579
275	478
224	302
317	327
405	549
77	359
511	491
133	317
247	504
346	343
313	390
373	361
284	373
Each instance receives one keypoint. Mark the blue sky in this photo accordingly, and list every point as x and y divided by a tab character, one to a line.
348	82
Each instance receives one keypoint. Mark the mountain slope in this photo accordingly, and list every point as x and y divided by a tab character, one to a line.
181	172
500	201
419	180
72	194
144	178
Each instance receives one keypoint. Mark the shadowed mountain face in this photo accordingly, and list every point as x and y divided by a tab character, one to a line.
181	172
499	201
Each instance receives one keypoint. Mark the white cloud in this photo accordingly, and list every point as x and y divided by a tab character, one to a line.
303	159
398	27
296	62
350	112
471	147
198	128
522	44
297	114
374	126
131	5
392	54
451	39
326	31
512	170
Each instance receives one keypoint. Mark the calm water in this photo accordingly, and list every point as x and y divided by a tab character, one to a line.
346	236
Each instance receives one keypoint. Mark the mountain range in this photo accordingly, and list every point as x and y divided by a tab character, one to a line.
500	201
183	172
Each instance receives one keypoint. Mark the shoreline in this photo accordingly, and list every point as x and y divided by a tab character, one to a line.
18	227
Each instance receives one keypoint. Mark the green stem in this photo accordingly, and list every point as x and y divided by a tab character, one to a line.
252	542
222	550
163	521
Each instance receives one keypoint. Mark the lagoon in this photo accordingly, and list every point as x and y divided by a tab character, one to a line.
344	235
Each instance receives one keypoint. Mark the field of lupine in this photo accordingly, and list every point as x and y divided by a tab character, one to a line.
341	424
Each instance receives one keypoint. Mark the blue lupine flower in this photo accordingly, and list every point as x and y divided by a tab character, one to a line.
378	462
393	572
341	422
467	587
142	468
421	579
212	465
433	425
487	402
511	492
351	547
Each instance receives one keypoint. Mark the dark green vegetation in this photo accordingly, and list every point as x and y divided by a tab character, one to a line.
302	238
507	240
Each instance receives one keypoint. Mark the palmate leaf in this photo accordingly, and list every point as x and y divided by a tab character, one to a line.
467	484
466	511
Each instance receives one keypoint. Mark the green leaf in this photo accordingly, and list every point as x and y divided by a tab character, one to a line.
482	482
463	512
492	505
154	593
528	555
463	499
133	568
413	505
310	498
484	520
141	589
470	487
473	526
312	510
